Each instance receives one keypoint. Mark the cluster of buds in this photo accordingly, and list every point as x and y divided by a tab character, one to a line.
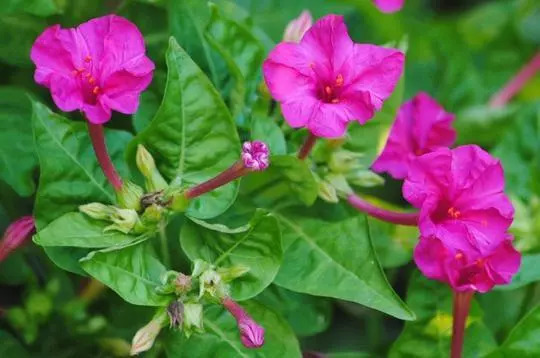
340	169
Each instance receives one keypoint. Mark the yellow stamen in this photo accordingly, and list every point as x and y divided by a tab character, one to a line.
335	100
95	90
339	80
328	90
87	58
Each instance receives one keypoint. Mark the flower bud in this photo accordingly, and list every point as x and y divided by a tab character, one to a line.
296	29
15	235
327	192
230	273
199	266
147	166
97	211
344	161
255	155
179	202
339	182
175	311
129	196
182	284
145	337
251	334
124	220
193	318
152	215
365	178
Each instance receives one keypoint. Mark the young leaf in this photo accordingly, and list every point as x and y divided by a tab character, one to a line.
133	272
69	174
430	335
17	157
222	340
192	135
77	230
524	339
258	248
342	263
288	181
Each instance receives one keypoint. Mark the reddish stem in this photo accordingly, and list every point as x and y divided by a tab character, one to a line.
500	98
462	303
410	219
100	148
235	309
233	172
307	146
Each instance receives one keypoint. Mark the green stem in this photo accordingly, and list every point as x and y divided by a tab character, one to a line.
164	244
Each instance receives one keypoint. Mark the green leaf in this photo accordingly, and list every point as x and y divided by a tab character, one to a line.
222	339
258	248
307	315
394	244
78	230
336	259
266	129
524	339
10	347
35	7
288	181
146	111
242	52
17	157
69	174
192	135
133	272
529	271
430	335
349	355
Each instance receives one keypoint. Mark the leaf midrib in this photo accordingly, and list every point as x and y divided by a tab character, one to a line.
59	144
306	237
222	335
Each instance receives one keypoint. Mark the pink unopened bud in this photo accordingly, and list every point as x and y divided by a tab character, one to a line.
255	155
15	235
296	29
251	334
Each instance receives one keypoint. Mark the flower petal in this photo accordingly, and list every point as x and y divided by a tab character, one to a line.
389	6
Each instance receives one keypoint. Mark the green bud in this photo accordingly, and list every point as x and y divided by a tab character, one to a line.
147	166
124	220
129	196
97	211
230	273
152	215
145	337
210	283
179	202
193	318
365	178
327	192
343	161
339	182
199	266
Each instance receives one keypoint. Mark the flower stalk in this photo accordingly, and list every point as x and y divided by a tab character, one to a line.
409	219
307	146
502	97
100	148
462	303
255	157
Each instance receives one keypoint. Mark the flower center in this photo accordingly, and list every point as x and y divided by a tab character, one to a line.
445	211
88	81
330	92
453	213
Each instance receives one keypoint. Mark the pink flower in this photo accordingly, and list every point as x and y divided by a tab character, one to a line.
296	29
251	334
466	269
388	6
421	126
460	194
15	235
327	80
255	155
96	67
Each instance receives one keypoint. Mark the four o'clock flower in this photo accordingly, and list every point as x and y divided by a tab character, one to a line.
327	80
460	194
421	126
251	334
296	29
389	6
96	67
